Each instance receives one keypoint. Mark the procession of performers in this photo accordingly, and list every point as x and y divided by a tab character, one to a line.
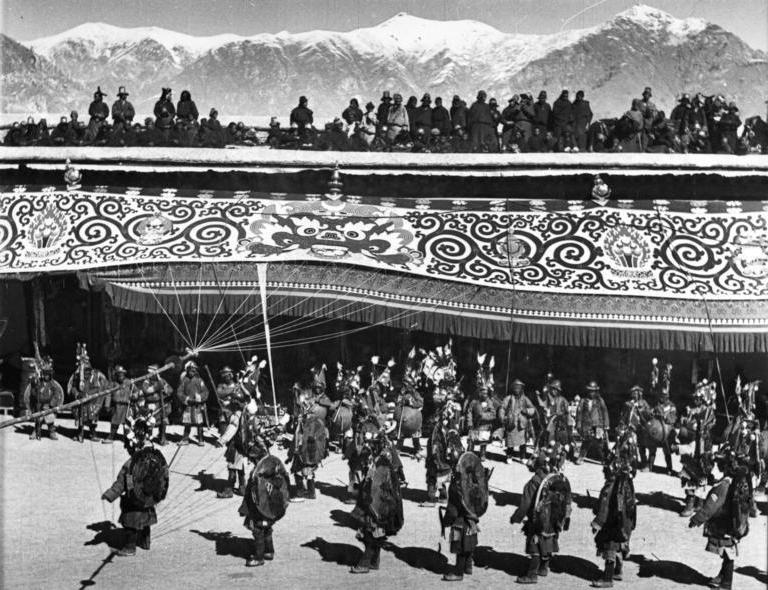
372	422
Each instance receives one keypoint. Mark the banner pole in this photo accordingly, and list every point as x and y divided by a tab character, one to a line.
261	271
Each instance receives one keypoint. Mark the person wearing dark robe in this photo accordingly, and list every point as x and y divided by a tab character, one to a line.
122	110
156	392
592	422
582	119
423	115
135	516
186	109
352	115
119	403
382	112
480	124
303	117
542	530
481	419
43	393
458	113
164	113
562	119
441	118
515	415
634	413
410	108
82	384
542	113
192	394
98	111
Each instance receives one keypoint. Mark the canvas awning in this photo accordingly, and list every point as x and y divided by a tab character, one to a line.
439	306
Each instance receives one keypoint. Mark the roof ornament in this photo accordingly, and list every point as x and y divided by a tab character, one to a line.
335	185
72	176
601	192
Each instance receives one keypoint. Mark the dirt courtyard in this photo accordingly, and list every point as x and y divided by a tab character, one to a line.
57	534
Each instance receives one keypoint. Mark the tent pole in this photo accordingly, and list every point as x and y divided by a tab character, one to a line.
261	271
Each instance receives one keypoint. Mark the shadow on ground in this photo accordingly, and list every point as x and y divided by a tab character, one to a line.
419	558
660	500
575	566
340	553
228	544
504	498
753	572
344	519
107	533
668	570
510	563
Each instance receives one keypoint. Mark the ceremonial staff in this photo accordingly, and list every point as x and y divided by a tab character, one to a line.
30	417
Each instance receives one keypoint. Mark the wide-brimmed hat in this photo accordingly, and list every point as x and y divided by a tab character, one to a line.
98	92
226	371
593	386
556	385
636	389
385	95
122	91
120	369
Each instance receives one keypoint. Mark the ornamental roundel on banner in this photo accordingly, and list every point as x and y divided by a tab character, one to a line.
629	252
47	232
153	229
750	254
331	230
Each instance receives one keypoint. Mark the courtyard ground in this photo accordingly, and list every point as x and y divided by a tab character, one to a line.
57	533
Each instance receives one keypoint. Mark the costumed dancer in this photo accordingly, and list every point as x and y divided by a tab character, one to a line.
241	433
515	416
342	411
616	511
119	403
192	393
592	422
481	411
265	500
634	413
725	513
156	394
141	484
439	369
546	508
379	508
410	403
309	446
231	397
86	381
443	452
556	416
42	393
696	426
467	502
666	412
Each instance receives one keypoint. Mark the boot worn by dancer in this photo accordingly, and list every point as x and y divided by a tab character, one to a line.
161	436
227	492
431	500
200	438
532	577
300	494
311	489
617	569
129	549
364	566
723	580
544	568
607	580
269	547
111	437
185	437
52	433
257	558
690	502
458	574
468	565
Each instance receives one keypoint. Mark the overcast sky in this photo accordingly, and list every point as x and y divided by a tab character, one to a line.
30	19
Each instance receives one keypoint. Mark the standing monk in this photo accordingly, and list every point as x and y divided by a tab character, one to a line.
84	382
99	111
592	421
634	413
192	393
231	396
119	402
515	415
122	111
156	392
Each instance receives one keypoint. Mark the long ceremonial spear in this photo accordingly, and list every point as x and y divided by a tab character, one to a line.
30	417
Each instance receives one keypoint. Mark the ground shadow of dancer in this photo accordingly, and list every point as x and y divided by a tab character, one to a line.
510	563
227	543
107	533
209	482
753	572
660	500
504	498
339	553
575	566
668	570
344	519
419	557
332	491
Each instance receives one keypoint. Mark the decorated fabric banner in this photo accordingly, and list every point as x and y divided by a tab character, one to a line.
582	249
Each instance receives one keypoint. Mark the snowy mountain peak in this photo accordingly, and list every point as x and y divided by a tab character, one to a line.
656	20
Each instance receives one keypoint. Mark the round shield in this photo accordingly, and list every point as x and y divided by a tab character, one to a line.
654	433
267	491
149	473
469	485
314	441
386	503
686	435
408	421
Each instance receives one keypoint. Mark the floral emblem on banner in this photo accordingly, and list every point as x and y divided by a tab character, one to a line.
629	252
47	231
750	256
153	230
332	230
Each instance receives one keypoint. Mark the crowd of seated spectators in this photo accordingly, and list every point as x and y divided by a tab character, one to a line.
697	124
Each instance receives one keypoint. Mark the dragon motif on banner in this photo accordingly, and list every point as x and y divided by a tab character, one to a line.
589	250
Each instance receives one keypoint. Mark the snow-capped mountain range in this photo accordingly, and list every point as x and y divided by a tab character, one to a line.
265	74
